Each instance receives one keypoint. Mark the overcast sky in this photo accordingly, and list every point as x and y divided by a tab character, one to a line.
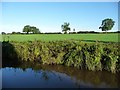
49	16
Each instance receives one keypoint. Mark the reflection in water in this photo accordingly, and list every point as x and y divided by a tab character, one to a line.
48	76
29	78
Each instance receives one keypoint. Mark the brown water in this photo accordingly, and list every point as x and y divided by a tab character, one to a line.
57	76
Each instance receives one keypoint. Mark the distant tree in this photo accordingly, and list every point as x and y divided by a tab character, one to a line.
74	30
37	31
13	32
65	27
27	29
3	33
107	24
18	32
32	29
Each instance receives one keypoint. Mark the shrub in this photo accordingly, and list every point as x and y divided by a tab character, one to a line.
92	56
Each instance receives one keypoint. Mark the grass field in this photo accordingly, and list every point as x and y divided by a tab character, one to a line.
52	37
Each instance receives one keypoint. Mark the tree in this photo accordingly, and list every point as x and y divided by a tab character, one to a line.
65	27
107	24
74	30
3	33
32	29
35	30
27	29
13	32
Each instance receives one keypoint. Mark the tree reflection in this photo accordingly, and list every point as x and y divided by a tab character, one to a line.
94	78
45	76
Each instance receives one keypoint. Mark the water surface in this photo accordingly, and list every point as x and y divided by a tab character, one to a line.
48	76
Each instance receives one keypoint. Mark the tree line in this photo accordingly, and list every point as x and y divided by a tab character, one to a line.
107	24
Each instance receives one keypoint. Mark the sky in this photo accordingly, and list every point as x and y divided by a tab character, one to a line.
49	16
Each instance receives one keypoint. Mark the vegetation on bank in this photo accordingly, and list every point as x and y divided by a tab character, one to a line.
75	53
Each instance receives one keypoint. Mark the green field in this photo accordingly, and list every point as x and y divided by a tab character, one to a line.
52	37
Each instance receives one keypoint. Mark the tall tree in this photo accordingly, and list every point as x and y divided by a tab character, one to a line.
35	30
107	24
32	29
27	29
65	27
3	33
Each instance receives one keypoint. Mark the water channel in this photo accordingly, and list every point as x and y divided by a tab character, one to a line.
56	76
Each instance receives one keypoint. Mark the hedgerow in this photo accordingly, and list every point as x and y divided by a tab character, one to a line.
92	56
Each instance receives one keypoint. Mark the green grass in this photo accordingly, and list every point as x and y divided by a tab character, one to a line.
52	37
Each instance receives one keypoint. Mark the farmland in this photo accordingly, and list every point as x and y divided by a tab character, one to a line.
110	37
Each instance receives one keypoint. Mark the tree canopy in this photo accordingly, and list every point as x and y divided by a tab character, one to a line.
107	24
65	27
3	33
32	29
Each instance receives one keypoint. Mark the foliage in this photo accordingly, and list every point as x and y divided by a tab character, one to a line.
32	29
65	27
16	32
3	33
107	24
92	56
27	29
